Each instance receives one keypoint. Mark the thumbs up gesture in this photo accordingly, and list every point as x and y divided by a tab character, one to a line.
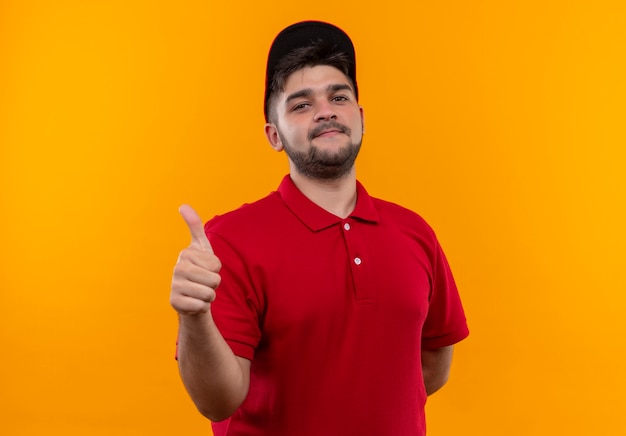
196	275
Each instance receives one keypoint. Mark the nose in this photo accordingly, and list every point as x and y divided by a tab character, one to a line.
325	112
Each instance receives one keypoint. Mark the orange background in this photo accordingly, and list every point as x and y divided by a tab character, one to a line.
502	123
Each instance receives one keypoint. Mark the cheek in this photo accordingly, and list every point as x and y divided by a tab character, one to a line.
357	128
295	133
288	138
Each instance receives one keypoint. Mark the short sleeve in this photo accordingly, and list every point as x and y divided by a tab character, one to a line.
445	322
236	307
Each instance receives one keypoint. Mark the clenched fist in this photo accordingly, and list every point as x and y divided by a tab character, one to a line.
196	275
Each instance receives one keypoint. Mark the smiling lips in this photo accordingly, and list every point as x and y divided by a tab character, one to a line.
330	129
328	133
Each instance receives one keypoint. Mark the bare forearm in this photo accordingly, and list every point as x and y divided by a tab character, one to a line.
436	368
215	378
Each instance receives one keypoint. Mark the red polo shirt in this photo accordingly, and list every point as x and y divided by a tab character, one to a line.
333	313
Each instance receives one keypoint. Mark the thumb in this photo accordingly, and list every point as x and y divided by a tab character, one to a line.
196	228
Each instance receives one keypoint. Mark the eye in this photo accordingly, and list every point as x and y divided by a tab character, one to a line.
339	98
300	106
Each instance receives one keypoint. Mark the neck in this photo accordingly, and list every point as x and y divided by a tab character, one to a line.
336	196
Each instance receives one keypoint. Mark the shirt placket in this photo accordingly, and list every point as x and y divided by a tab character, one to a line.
358	260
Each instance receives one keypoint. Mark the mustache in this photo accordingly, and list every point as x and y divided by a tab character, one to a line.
331	125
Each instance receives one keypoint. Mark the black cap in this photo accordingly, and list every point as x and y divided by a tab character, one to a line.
303	34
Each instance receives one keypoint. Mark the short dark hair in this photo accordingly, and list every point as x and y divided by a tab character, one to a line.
320	52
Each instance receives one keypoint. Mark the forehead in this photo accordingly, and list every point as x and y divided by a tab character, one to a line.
319	76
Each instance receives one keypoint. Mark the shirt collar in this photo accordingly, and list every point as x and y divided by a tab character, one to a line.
316	218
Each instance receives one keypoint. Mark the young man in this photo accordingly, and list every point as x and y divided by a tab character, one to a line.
317	310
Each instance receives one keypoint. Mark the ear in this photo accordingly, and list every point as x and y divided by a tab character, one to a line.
362	119
271	133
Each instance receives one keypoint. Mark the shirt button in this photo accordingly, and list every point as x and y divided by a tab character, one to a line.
357	260
346	226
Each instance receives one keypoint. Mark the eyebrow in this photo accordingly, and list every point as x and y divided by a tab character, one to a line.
308	91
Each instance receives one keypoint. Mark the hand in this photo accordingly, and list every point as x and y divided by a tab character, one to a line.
196	275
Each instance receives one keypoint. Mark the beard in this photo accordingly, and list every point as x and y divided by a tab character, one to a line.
323	164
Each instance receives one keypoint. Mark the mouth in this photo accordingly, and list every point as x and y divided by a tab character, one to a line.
329	131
